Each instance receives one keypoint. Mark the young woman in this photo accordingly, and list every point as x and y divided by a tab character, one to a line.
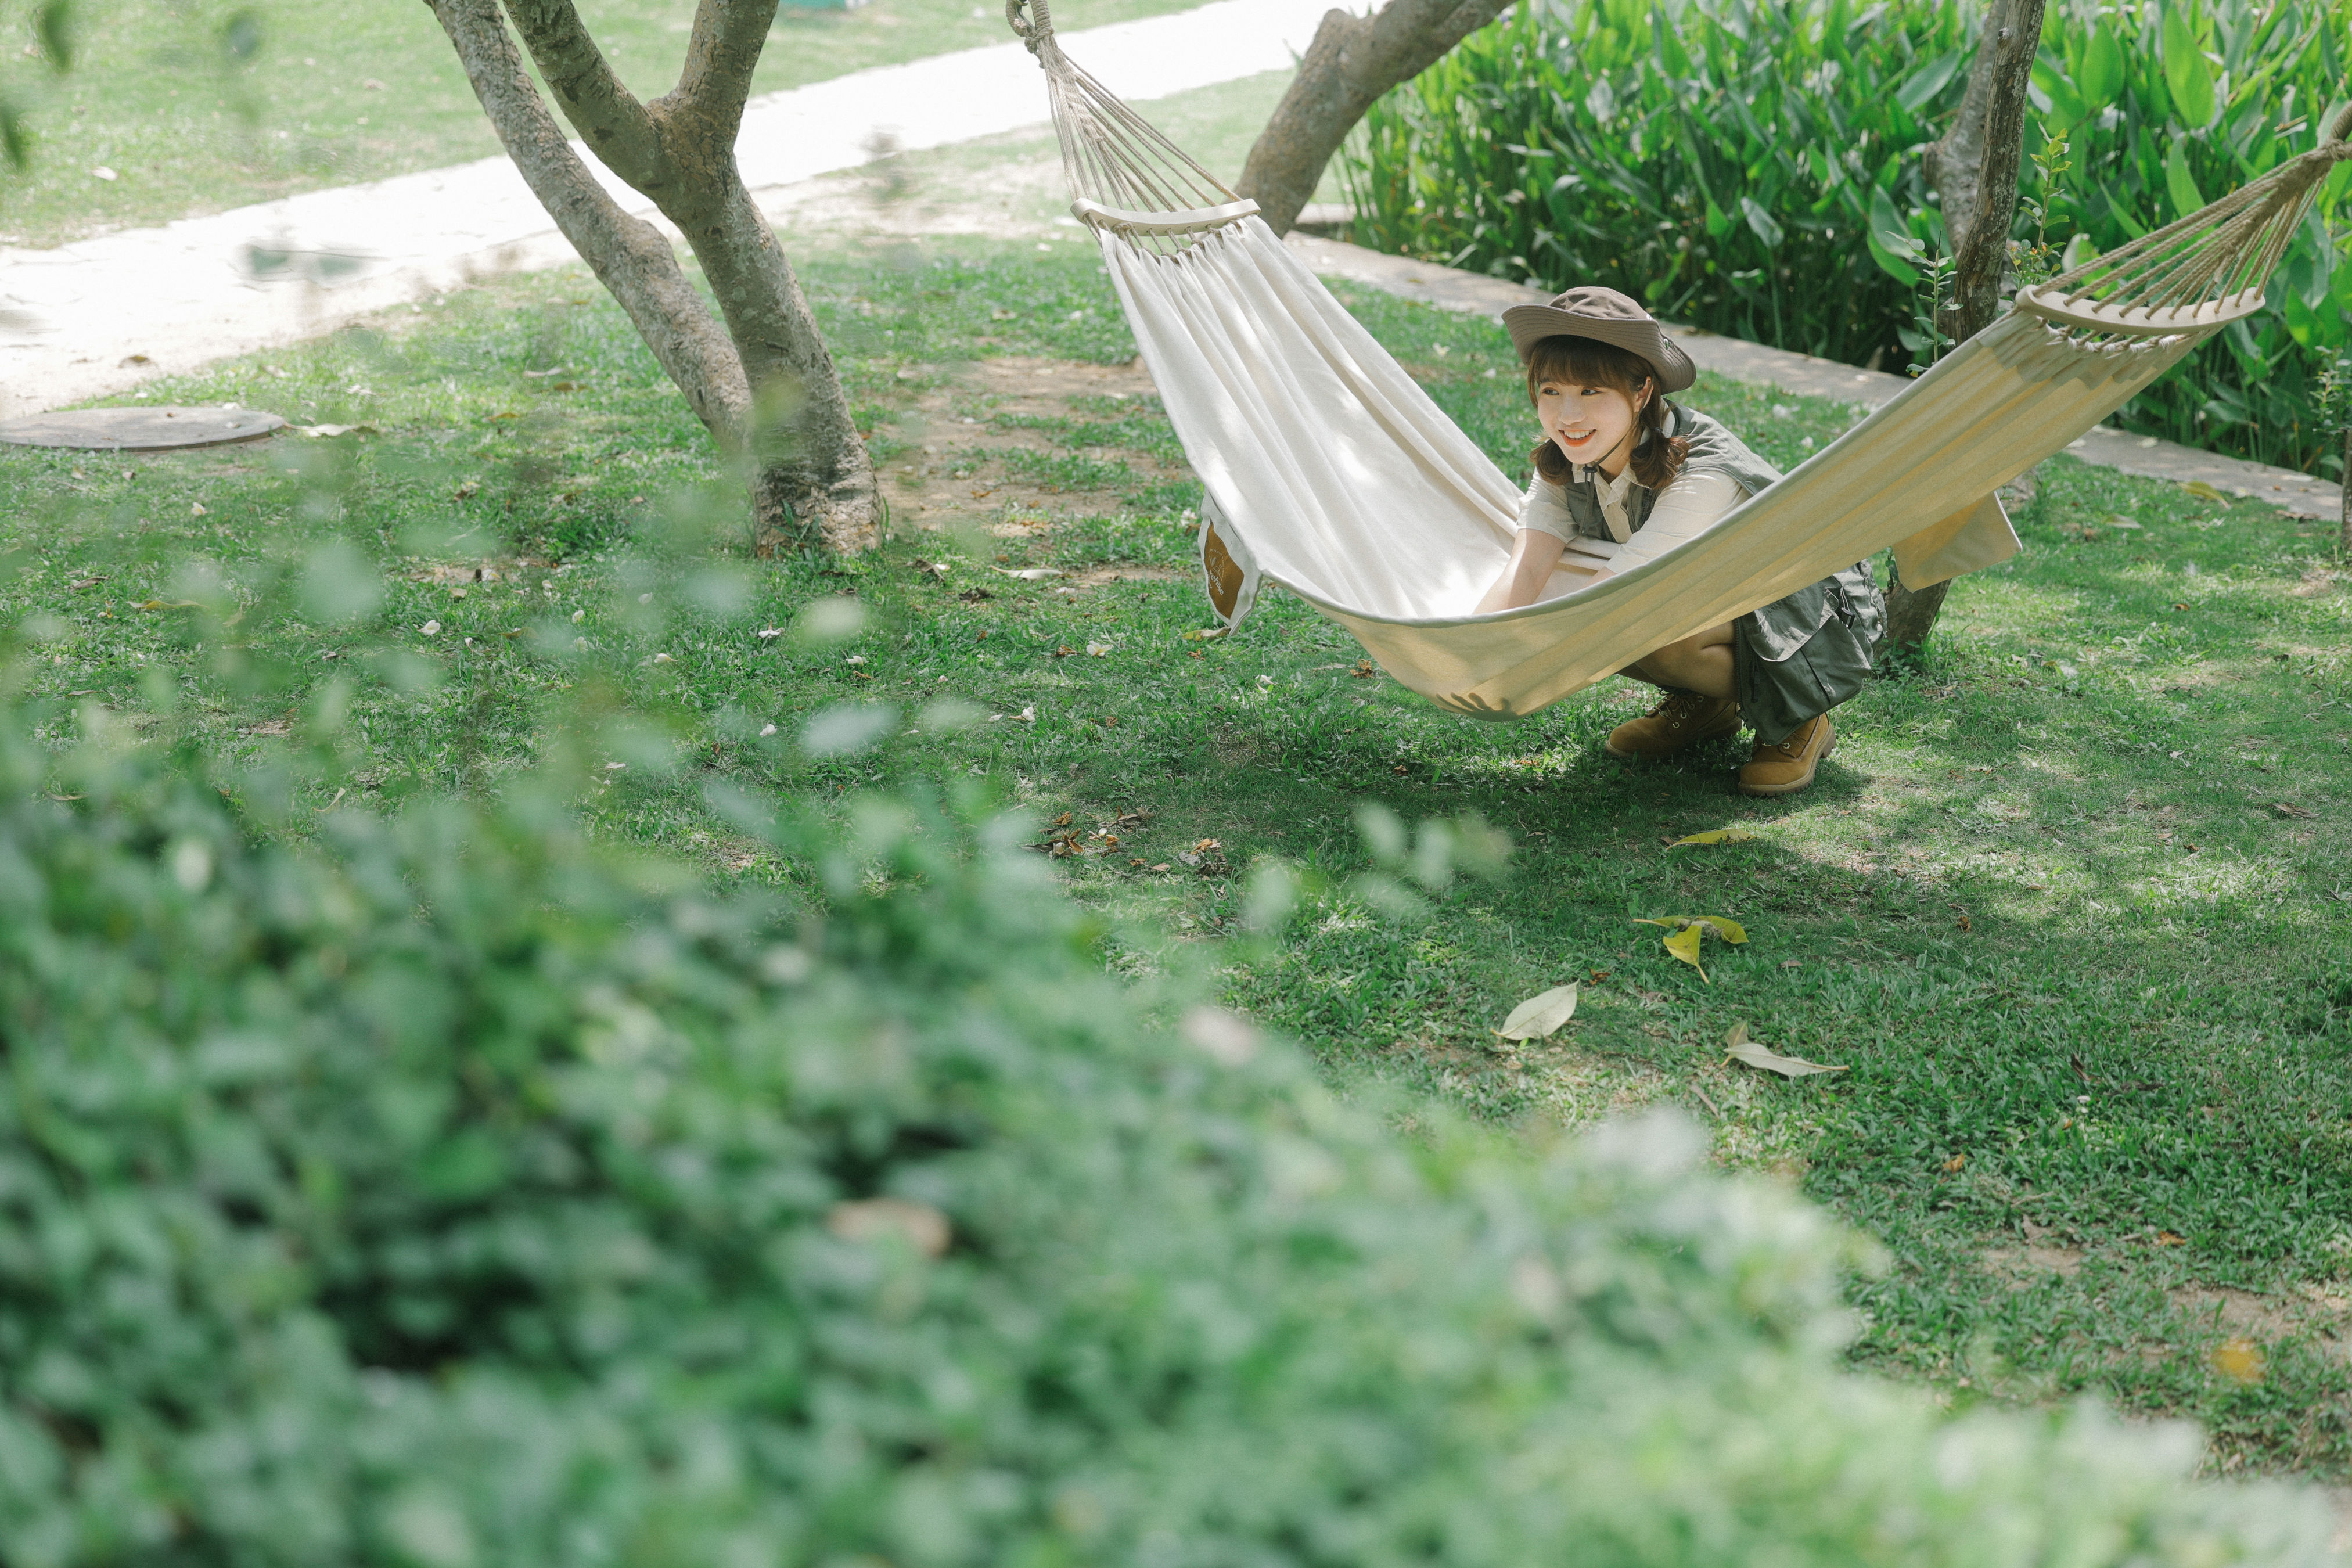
1623	476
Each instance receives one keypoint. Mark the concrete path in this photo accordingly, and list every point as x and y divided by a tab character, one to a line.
2285	489
101	315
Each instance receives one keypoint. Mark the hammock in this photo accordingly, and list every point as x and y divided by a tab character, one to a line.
1330	471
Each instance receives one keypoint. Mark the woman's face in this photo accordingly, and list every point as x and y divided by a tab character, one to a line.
1592	424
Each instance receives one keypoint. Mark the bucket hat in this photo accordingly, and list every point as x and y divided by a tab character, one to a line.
1606	316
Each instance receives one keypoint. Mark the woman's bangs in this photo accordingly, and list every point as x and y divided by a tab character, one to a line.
1585	361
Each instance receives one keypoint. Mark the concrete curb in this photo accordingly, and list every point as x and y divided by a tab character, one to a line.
2299	495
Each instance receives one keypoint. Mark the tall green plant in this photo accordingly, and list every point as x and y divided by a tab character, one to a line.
2167	106
1751	167
1725	162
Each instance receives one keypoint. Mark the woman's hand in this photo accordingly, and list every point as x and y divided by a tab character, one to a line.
1534	556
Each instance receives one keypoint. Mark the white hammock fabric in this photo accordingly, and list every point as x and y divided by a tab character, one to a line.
1330	471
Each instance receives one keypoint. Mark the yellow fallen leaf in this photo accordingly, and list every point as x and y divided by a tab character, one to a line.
1715	835
1683	944
1688	930
2204	491
2239	1360
1740	1049
1539	1017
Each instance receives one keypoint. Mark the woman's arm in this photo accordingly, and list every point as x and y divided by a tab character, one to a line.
1533	556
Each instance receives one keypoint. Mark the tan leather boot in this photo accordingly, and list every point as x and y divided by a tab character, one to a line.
1681	721
1788	766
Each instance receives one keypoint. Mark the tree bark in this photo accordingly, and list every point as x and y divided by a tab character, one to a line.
1974	168
766	386
1352	61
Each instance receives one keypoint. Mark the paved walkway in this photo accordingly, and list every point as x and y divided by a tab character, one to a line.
2285	489
101	315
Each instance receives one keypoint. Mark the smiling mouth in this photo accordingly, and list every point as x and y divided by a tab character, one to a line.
1576	435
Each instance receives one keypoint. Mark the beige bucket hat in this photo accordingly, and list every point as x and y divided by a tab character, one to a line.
1606	316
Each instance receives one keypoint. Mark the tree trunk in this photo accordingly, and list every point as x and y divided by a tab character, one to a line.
765	386
1351	62
1975	169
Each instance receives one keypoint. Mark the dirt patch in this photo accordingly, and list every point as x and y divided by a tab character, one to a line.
2043	1254
955	474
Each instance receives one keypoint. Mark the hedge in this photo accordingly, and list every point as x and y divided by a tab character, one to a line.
446	1190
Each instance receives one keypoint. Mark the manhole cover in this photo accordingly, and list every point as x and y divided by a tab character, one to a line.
140	430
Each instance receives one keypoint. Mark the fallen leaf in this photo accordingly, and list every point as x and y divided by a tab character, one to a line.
1963	924
2283	809
322	431
1097	649
2118	520
1597	975
1063	820
1032	574
1688	931
2239	1360
1538	1017
1364	669
1715	835
2204	491
975	595
85	582
2170	1238
1953	1164
1740	1049
921	1225
930	568
1791	964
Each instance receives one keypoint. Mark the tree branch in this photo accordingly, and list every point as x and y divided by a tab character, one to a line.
720	60
631	258
1351	62
616	127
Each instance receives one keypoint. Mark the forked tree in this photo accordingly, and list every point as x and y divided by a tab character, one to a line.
759	373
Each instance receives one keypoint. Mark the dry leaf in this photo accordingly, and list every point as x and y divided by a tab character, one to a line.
1688	931
2239	1360
1740	1049
2204	491
921	1225
2118	520
2283	809
1715	835
1206	633
1952	1165
1034	574
1364	669
2170	1238
1538	1017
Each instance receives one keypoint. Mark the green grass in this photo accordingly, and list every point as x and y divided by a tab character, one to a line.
203	105
2092	986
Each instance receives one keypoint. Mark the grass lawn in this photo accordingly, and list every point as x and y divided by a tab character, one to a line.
203	105
2070	904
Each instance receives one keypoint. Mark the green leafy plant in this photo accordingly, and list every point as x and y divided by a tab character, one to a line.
456	1193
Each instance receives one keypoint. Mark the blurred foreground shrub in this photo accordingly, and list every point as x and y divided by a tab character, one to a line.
1733	163
452	1193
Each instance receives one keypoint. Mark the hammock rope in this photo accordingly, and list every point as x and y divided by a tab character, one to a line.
1327	470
